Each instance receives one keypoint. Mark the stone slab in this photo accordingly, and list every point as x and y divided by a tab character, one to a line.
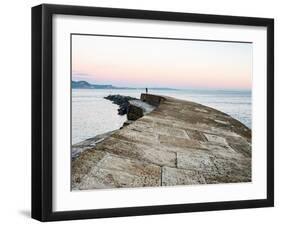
174	176
113	171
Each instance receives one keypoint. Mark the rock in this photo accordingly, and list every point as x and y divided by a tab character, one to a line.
134	112
122	101
134	108
128	122
123	109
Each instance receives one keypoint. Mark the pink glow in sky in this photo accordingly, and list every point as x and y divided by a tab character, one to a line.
143	62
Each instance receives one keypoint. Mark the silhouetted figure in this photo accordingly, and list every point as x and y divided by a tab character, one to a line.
146	90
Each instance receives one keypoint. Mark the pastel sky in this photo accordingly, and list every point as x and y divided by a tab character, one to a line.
144	62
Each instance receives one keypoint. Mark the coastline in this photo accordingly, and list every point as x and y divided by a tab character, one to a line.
178	142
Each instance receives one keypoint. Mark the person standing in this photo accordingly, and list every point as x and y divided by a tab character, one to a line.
146	90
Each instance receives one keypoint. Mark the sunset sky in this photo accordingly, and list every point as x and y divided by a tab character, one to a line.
143	62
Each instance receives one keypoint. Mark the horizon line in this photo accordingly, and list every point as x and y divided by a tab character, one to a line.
171	88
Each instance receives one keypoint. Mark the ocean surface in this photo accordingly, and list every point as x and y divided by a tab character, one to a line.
93	115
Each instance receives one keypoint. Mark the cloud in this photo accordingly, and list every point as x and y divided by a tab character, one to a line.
81	76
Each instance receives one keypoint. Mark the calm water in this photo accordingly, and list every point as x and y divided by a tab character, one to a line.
93	115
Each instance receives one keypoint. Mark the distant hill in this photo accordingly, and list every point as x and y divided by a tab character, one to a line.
87	85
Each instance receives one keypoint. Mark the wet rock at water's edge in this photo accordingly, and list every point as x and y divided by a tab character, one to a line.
134	112
122	101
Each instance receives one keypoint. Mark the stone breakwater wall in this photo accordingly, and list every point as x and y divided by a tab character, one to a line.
138	108
178	143
146	104
154	100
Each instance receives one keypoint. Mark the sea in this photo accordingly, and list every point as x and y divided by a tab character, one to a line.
93	115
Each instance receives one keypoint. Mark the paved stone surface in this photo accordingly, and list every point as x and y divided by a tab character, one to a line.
178	143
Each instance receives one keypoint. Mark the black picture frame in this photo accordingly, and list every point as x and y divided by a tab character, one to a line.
42	107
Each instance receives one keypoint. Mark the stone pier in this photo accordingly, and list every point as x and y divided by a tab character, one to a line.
178	143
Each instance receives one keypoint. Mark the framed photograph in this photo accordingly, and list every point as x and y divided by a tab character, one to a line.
140	112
